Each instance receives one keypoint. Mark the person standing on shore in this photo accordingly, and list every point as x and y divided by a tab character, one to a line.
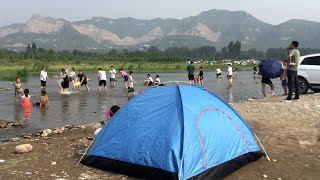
102	78
190	69
43	78
83	80
292	70
284	79
200	77
113	73
229	75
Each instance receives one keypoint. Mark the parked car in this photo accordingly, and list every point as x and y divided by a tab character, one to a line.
309	73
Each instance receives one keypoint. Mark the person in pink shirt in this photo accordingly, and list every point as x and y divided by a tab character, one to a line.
125	77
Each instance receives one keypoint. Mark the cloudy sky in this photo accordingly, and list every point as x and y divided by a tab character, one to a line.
270	11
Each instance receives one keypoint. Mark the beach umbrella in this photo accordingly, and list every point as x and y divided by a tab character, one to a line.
270	68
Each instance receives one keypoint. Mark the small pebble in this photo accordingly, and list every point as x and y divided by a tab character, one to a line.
264	176
28	173
2	161
306	165
279	178
53	163
274	160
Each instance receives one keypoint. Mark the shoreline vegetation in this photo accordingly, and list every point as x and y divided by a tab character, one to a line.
290	136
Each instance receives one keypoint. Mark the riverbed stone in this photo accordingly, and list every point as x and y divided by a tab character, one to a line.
15	139
5	140
23	148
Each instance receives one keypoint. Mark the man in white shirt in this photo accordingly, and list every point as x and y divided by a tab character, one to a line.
229	75
43	78
148	81
102	78
113	73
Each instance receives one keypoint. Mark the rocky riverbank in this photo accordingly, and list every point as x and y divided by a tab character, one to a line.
290	133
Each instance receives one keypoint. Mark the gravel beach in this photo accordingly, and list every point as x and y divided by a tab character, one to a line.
290	133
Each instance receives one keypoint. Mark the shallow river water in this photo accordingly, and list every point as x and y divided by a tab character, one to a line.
82	107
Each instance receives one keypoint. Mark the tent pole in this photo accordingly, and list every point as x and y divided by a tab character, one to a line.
86	151
265	152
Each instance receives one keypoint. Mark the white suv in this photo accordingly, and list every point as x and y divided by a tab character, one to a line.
309	73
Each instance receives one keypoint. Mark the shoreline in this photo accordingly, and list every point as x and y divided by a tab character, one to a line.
290	133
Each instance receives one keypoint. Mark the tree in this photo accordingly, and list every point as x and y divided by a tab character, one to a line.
34	48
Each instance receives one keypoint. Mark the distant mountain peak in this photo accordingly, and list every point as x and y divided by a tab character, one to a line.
40	24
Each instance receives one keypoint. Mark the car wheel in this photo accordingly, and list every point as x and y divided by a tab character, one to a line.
303	85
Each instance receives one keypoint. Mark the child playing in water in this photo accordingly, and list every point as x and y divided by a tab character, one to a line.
18	89
131	83
26	104
44	100
200	77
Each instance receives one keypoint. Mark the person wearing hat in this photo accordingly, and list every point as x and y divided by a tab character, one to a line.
109	114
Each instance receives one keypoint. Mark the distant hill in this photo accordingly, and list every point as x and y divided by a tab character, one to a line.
213	27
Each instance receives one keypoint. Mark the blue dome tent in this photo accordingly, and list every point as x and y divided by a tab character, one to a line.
174	132
270	68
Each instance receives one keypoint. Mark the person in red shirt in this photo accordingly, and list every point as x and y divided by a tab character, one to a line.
26	104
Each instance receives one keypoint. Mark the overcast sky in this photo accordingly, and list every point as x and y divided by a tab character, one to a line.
270	11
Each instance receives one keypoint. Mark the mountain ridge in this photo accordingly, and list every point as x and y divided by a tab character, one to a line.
216	26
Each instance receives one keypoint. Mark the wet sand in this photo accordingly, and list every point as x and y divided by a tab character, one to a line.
290	132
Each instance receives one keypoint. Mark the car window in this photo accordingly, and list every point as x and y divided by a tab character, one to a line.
311	61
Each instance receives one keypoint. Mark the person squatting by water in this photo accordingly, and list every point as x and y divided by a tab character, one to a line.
148	81
26	104
292	71
112	111
157	80
102	79
43	101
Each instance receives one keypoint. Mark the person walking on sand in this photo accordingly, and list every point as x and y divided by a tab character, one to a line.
83	80
200	77
43	78
125	77
112	73
229	75
265	81
102	78
190	69
292	70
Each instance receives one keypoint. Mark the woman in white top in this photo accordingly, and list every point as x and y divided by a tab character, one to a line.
157	81
113	73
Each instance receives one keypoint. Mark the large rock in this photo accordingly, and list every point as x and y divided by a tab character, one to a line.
23	148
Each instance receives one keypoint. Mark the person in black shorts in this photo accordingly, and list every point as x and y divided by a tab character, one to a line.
190	69
83	80
200	76
264	81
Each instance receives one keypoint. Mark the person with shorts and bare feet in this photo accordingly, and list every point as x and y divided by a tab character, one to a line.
190	69
268	81
102	78
43	78
112	73
83	80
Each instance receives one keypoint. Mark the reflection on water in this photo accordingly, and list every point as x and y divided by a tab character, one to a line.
82	107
